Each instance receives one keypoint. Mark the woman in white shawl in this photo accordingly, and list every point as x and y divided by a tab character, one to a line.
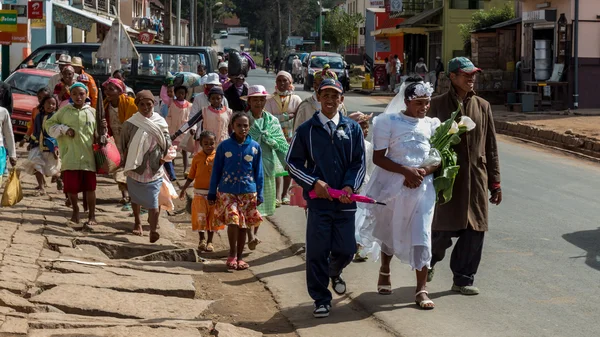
145	141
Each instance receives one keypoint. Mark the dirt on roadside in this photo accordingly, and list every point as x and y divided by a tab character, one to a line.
588	126
240	298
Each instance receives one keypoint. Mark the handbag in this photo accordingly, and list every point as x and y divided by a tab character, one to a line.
12	192
108	158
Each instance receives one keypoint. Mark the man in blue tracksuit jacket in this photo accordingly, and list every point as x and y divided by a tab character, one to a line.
328	152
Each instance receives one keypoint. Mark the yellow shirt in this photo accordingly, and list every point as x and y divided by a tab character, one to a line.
201	170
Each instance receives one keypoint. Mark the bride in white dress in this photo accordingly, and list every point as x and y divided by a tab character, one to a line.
403	227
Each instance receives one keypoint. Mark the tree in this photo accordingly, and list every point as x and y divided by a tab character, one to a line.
340	27
483	19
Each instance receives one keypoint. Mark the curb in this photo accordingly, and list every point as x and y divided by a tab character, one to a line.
567	142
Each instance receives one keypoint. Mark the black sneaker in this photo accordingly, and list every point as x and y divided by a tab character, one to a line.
321	311
338	285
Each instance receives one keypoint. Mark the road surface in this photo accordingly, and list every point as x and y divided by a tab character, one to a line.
232	41
539	275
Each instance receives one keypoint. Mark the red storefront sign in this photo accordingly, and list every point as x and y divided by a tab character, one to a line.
146	37
35	10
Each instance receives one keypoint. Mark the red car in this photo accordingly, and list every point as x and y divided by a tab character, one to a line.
25	83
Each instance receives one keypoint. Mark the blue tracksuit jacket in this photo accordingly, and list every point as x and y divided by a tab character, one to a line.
338	159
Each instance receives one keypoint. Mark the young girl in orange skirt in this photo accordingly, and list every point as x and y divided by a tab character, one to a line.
238	175
203	219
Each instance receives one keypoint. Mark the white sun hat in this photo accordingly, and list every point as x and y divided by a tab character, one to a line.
256	91
212	78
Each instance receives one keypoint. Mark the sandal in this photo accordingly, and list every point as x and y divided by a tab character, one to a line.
210	247
285	201
231	263
126	207
123	201
154	236
384	289
202	245
277	203
252	244
59	184
424	304
241	265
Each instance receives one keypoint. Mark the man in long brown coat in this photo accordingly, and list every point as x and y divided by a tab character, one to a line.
466	215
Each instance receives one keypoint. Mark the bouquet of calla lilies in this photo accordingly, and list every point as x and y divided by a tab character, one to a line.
445	136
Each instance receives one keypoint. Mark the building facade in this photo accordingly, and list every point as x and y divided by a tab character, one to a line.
431	27
549	24
81	21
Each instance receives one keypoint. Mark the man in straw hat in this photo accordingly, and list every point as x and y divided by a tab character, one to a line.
466	215
63	61
86	79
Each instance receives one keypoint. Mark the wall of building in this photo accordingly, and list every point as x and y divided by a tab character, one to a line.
452	18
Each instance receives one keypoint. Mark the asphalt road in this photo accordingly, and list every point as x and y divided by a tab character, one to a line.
540	271
353	101
232	41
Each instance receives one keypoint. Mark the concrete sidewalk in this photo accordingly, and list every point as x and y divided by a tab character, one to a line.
100	281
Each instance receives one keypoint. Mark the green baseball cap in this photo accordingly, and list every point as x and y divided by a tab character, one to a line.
462	64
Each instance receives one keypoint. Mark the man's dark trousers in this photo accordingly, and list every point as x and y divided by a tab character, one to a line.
330	246
466	254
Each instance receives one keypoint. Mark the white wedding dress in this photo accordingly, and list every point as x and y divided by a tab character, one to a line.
403	227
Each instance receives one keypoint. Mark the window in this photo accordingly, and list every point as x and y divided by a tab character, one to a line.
46	59
467	4
160	64
335	62
24	83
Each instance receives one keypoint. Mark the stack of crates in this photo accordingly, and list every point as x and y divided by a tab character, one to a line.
368	83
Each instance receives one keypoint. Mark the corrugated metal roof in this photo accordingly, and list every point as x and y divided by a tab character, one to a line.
424	15
499	25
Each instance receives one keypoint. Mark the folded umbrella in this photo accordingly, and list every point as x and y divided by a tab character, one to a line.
336	194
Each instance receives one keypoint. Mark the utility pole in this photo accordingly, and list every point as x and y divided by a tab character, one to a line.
320	25
192	28
205	26
576	56
210	23
279	49
167	23
178	24
289	20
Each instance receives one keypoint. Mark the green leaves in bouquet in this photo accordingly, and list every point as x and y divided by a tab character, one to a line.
445	176
444	183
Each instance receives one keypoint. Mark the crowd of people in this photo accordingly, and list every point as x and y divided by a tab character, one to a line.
253	150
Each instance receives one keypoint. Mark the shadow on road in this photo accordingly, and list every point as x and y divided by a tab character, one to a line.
590	242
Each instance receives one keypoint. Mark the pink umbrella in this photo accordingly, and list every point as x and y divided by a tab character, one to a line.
354	197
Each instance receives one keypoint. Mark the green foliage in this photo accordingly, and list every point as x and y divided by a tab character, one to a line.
340	28
483	19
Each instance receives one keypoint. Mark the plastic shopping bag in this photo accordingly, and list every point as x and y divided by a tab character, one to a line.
166	195
12	192
171	154
108	158
187	143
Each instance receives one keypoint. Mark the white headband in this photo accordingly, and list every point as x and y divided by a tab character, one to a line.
421	89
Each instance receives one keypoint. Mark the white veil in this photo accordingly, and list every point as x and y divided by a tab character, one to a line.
397	104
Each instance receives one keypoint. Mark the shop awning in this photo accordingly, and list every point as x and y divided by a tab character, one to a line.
421	18
391	32
79	18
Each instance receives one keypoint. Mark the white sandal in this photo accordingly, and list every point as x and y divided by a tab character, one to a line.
423	304
384	289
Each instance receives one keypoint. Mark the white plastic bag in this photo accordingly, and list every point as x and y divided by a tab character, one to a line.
166	195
